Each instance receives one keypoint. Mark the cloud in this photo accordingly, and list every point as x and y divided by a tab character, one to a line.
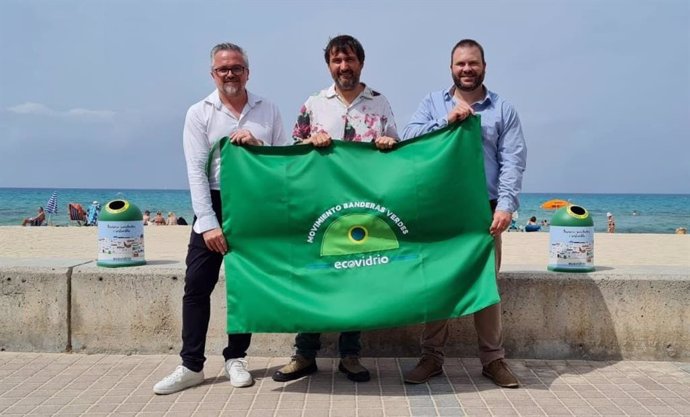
101	114
32	108
38	109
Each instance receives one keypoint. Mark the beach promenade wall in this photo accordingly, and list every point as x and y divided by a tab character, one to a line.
639	311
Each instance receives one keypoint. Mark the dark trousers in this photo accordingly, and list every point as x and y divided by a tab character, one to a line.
308	344
203	267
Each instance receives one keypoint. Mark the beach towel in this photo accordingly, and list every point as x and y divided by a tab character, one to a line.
351	238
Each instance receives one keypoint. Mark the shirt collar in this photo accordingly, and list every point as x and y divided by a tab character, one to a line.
366	93
488	98
214	99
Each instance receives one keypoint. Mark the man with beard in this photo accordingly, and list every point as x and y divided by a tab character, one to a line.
247	119
505	156
348	110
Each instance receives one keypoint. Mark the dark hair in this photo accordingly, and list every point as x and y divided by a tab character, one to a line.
343	43
466	43
533	219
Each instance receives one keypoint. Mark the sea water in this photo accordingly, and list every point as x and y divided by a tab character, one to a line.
634	213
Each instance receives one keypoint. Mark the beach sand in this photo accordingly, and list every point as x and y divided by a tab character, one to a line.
169	243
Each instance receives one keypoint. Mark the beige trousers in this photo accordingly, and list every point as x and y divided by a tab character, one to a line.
487	323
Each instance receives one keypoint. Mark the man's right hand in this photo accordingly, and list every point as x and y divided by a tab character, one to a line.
215	240
460	112
319	140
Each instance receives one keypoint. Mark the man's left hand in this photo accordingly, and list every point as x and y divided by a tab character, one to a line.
501	222
244	137
385	142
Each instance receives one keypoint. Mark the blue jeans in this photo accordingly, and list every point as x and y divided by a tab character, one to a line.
308	344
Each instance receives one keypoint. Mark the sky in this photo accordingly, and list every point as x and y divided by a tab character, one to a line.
93	93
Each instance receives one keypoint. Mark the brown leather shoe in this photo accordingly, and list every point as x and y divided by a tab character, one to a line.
298	367
499	372
354	370
425	369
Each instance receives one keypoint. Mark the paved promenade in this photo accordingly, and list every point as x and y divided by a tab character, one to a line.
43	384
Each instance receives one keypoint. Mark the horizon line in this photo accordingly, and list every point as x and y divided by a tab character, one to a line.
187	189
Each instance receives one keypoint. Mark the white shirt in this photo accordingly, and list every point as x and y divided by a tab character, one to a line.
207	122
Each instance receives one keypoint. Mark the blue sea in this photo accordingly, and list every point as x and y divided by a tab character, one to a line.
634	213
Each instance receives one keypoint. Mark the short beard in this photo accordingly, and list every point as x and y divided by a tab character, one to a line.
231	90
478	83
349	85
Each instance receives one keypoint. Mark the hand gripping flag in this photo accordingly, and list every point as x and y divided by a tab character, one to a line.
352	238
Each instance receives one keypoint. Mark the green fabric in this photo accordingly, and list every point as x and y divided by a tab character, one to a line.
352	238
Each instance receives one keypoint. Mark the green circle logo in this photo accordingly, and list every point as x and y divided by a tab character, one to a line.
357	234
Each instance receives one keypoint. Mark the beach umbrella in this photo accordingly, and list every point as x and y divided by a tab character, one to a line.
52	206
554	204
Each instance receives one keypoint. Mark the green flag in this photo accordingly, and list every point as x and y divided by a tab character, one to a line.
352	238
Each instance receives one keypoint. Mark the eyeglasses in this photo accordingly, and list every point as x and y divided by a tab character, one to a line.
224	71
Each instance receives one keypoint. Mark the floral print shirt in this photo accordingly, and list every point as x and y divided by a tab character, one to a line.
367	118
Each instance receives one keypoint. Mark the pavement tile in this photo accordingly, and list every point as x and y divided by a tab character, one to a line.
397	412
423	411
477	411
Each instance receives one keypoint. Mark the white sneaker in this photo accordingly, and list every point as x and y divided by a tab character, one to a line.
236	371
180	379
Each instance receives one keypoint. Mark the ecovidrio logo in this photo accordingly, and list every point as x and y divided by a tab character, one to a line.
355	235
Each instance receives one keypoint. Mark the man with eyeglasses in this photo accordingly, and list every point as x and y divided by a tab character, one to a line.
247	119
351	111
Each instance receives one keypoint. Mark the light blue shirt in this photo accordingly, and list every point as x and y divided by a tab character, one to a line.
505	151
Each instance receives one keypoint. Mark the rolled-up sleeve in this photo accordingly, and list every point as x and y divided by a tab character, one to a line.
196	153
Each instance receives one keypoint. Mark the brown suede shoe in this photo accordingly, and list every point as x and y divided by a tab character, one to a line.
499	372
354	370
298	367
425	369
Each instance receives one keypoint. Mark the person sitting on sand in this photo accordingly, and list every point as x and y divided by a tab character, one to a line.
158	220
35	221
147	217
172	219
532	225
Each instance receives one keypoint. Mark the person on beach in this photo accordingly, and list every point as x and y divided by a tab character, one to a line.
505	157
532	225
247	119
348	110
611	223
172	219
158	220
147	217
36	220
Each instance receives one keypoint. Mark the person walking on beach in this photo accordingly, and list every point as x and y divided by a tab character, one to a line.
611	223
505	155
247	119
347	110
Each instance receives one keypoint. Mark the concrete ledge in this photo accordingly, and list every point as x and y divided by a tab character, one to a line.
34	309
638	313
